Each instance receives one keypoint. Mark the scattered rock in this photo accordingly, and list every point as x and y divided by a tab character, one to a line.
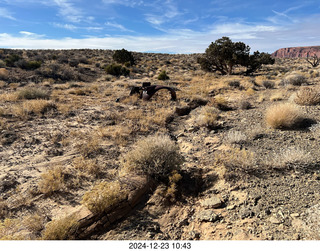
182	111
8	137
213	202
245	213
274	220
7	182
208	215
231	207
294	215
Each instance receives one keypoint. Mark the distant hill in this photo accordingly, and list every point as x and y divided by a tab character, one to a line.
297	52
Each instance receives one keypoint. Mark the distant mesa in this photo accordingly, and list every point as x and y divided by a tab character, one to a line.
297	52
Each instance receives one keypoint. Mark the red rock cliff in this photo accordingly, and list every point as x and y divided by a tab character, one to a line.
297	52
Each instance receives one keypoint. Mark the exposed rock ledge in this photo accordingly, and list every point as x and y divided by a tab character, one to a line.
297	52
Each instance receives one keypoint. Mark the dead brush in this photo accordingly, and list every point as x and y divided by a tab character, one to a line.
32	93
119	134
29	107
61	229
34	223
88	166
221	103
207	117
290	157
90	147
51	181
155	156
235	137
236	161
307	96
284	116
10	228
104	195
4	73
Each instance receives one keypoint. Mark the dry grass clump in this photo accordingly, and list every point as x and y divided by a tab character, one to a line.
38	107
284	116
290	157
277	96
90	148
103	195
221	103
307	96
10	97
156	156
61	229
236	161
34	223
235	137
33	93
171	191
3	73
9	229
268	84
207	117
51	181
118	133
295	79
89	166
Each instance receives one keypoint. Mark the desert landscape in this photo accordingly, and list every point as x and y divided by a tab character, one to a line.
234	157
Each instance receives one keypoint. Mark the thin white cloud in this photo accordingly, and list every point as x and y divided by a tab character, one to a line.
68	11
117	26
4	13
31	35
239	30
130	3
70	27
162	13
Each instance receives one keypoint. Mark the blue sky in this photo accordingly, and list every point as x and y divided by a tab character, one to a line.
168	26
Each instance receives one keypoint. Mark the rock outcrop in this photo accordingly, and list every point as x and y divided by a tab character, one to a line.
297	52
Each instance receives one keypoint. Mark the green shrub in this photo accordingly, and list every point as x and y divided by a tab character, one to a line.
28	65
11	59
117	70
123	56
163	76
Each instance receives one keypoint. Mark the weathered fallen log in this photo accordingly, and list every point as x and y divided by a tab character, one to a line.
90	223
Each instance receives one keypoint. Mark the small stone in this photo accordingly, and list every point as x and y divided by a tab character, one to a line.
182	111
191	129
231	207
208	215
294	215
245	213
181	135
274	220
213	202
194	235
